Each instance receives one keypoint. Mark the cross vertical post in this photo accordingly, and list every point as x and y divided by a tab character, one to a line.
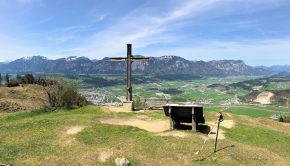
129	73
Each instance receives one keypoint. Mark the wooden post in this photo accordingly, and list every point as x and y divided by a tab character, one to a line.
217	134
194	125
171	119
129	73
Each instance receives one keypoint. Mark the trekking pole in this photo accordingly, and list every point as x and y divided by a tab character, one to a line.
217	134
219	120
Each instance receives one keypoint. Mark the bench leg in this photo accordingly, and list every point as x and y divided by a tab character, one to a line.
172	123
177	124
194	125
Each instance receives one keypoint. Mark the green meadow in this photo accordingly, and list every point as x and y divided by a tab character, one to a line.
40	138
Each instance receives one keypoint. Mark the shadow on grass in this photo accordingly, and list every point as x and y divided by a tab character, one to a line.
205	129
220	149
201	128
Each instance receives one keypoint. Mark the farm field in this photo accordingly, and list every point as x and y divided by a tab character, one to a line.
226	91
197	90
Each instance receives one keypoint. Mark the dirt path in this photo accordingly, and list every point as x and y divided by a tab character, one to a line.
141	121
226	123
146	123
174	134
160	126
114	109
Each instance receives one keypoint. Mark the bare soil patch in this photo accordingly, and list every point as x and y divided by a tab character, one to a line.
142	122
114	109
229	115
74	130
264	98
66	136
175	134
104	155
212	135
228	124
225	123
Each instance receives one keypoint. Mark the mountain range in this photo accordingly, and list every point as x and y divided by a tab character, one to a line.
155	65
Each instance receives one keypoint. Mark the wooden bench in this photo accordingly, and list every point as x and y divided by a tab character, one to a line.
184	113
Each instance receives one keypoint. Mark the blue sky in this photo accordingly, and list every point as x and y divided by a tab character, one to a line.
256	31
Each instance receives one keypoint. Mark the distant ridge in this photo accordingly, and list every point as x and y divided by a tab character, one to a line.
280	68
155	66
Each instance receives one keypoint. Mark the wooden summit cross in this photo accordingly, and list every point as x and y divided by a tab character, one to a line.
129	59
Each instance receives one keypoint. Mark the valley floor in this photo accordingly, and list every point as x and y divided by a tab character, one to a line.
96	136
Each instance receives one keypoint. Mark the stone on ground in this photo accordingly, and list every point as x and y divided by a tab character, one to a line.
121	162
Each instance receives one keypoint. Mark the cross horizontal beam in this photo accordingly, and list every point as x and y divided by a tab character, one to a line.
130	59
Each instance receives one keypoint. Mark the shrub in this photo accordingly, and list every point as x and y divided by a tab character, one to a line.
60	94
27	79
138	104
68	97
284	118
13	83
281	119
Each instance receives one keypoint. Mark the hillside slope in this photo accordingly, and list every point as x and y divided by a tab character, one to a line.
273	89
24	97
78	137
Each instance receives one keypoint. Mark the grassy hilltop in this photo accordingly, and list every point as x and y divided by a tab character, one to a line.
95	135
78	137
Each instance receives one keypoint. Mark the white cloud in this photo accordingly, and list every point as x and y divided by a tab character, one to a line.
98	17
143	28
268	52
73	28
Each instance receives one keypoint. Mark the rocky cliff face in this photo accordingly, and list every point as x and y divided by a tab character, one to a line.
156	65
